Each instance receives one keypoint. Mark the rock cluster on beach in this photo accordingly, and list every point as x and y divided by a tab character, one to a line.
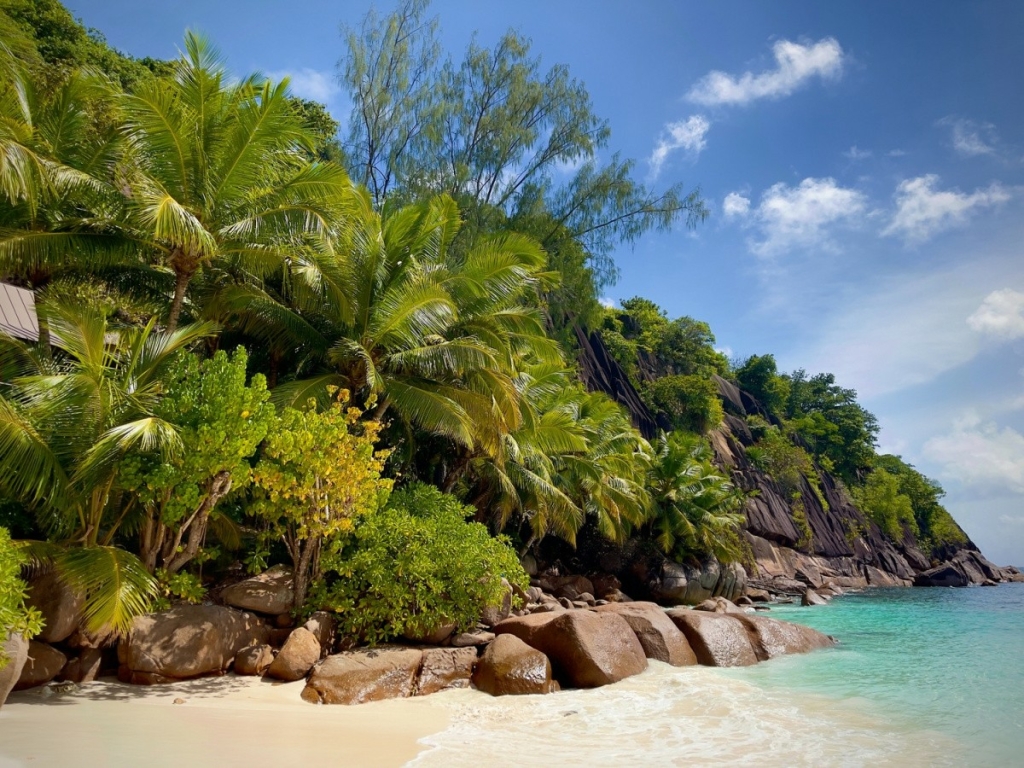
565	631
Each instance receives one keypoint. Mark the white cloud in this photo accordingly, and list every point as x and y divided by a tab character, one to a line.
971	139
735	204
922	210
801	216
796	64
855	153
688	135
1000	314
895	153
607	301
309	83
981	454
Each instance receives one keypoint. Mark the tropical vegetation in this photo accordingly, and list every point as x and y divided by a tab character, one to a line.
360	355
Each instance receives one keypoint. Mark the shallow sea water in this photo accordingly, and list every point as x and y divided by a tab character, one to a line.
922	677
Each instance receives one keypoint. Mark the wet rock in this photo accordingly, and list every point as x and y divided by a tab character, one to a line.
511	667
718	640
297	657
811	597
658	635
355	677
771	638
187	641
945	575
43	664
271	592
254	659
444	668
587	648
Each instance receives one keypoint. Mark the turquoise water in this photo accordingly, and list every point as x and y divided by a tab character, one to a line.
949	661
922	677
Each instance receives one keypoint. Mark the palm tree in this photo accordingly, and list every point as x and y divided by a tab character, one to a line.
56	164
216	173
426	334
65	424
697	509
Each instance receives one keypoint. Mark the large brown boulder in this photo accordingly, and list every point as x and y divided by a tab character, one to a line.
718	605
586	648
300	652
187	641
85	667
527	628
253	659
770	638
718	639
43	664
321	624
272	592
659	637
443	668
15	650
810	597
60	606
356	677
510	667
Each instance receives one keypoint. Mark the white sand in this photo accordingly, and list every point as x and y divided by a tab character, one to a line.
225	721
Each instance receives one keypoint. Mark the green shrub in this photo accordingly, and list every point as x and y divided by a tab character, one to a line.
15	616
690	402
413	567
880	497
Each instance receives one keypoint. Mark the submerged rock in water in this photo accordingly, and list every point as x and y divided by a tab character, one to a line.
718	639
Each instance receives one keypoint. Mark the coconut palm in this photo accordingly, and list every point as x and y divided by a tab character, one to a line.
216	174
426	335
697	509
66	421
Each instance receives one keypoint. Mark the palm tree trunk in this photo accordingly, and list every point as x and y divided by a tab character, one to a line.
181	282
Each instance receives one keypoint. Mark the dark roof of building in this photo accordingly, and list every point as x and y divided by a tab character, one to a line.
18	313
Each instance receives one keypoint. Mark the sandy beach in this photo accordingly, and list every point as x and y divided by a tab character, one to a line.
224	721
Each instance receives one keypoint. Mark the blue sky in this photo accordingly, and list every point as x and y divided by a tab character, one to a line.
863	161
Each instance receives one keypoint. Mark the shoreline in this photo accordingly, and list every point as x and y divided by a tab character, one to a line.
224	721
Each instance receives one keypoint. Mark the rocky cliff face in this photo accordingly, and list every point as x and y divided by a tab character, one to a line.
845	547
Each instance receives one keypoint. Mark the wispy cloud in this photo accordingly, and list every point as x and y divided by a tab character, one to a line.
309	83
922	210
1001	314
971	139
688	135
855	153
801	216
895	153
796	64
982	455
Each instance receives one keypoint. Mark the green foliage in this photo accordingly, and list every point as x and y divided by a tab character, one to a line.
415	566
220	420
893	511
318	472
184	587
760	377
697	511
16	617
789	465
831	421
691	402
937	527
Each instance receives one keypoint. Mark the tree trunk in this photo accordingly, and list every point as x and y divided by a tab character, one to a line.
309	552
219	487
184	266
